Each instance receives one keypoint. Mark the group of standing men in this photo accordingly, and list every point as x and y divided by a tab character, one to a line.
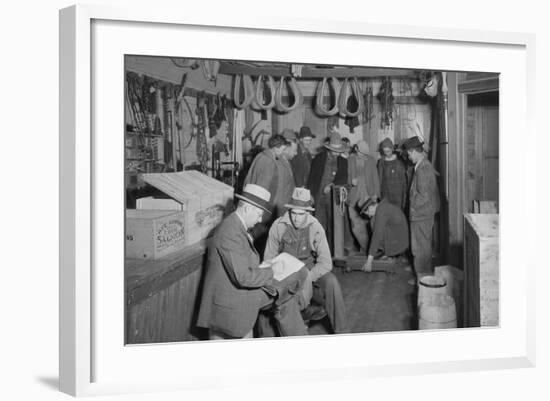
286	206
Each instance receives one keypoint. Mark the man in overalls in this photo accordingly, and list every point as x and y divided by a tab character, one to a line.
300	234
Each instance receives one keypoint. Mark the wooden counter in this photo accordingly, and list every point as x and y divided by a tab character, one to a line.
162	296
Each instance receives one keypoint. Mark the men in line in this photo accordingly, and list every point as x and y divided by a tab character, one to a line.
301	163
235	287
365	185
392	175
423	205
328	169
300	234
390	232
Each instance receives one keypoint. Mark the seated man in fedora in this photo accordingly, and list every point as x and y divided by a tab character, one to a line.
390	233
300	234
236	288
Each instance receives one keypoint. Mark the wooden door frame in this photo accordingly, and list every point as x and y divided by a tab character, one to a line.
460	86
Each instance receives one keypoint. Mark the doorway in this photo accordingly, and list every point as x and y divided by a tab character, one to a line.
482	148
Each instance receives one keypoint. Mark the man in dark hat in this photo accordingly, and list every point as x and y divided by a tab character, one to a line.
300	234
423	205
392	175
390	233
328	169
301	163
235	287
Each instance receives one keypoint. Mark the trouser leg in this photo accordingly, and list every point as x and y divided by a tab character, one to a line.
284	317
289	320
323	213
327	292
421	246
358	228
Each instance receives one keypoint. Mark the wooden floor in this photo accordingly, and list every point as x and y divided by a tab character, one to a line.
375	301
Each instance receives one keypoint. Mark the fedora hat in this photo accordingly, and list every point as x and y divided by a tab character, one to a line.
289	134
412	142
335	143
301	199
256	196
305	132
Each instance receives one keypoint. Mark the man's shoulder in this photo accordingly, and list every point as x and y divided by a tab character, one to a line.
315	225
230	226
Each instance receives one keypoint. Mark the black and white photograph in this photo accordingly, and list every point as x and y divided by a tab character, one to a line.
272	199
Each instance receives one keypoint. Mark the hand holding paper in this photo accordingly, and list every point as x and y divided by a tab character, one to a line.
283	265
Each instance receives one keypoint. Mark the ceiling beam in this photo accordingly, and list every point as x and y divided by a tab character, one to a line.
313	73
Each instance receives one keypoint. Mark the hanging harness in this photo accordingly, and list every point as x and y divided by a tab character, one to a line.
248	89
293	89
319	108
343	98
261	93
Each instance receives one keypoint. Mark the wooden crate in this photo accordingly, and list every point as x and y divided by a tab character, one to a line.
152	234
481	271
204	200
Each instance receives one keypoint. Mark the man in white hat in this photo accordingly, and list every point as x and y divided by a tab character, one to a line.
235	287
300	234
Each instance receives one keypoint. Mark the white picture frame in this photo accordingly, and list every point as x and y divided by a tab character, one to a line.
90	361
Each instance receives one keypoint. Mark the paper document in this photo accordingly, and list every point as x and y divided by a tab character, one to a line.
283	265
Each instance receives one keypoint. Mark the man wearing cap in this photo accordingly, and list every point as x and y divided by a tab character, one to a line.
301	163
365	185
390	233
235	287
393	175
300	234
328	168
423	205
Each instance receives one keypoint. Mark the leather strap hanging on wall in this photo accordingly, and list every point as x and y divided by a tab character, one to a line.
294	90
319	108
247	87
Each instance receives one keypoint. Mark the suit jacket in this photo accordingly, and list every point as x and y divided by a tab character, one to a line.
301	164
316	174
423	195
232	290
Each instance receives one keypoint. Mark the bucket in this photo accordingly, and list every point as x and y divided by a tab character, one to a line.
438	313
428	287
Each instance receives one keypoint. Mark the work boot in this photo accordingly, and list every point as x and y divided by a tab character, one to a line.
313	313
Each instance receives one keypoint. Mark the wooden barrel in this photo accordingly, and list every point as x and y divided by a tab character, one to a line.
438	313
428	287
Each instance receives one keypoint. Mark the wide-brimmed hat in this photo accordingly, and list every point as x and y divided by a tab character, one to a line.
412	142
335	143
301	199
257	196
305	132
363	147
289	134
